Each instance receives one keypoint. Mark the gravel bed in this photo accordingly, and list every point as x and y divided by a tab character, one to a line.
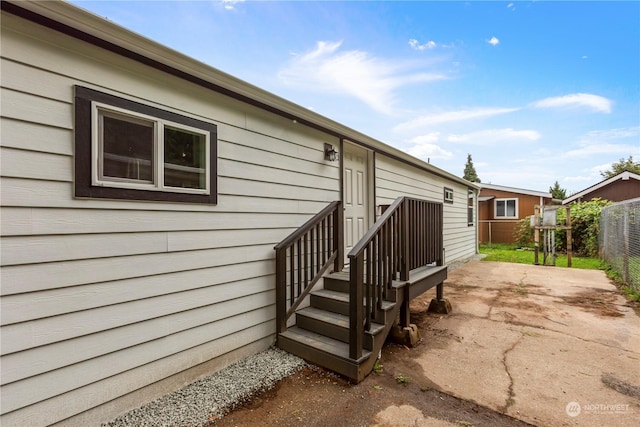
210	398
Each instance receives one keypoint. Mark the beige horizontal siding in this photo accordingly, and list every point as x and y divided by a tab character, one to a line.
92	395
102	298
33	277
26	221
55	382
35	137
394	179
55	194
54	302
40	249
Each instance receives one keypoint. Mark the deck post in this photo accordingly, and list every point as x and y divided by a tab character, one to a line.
281	290
338	238
356	308
404	231
405	313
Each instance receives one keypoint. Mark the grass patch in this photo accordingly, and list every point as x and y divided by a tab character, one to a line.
510	253
504	252
402	379
629	291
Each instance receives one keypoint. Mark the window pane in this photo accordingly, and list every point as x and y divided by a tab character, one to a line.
127	148
511	208
500	208
184	158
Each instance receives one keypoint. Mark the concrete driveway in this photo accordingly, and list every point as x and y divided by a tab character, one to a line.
546	345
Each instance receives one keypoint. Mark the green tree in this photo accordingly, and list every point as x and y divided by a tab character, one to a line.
558	192
470	173
621	166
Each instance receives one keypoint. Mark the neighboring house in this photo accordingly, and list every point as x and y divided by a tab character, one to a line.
500	208
624	186
143	193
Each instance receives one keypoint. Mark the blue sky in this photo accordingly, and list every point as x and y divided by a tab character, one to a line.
535	91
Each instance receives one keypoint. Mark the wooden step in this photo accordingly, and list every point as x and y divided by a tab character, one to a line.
339	282
333	325
323	351
337	302
424	278
333	301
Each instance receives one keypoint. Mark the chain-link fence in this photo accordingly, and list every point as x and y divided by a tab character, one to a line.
620	240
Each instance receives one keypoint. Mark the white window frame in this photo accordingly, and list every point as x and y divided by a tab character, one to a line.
471	203
448	195
158	152
505	200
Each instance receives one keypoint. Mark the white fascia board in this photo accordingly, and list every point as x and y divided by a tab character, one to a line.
625	176
516	190
92	24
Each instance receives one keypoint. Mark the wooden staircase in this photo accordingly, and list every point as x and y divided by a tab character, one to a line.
343	325
321	334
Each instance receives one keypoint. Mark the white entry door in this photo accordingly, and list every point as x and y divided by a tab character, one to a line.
356	197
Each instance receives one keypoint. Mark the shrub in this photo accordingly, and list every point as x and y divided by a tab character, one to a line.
585	228
523	232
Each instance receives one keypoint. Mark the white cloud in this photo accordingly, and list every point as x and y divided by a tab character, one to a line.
584	57
609	134
357	73
599	168
598	149
492	136
607	142
426	46
590	175
427	151
452	116
578	178
586	100
511	6
493	41
427	138
230	4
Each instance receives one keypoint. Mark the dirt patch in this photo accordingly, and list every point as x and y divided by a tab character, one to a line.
597	301
620	386
316	397
477	354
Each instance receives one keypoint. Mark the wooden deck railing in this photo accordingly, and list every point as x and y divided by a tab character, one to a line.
408	235
304	256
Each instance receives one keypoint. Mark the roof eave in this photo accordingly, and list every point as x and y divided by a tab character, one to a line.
516	190
89	23
626	175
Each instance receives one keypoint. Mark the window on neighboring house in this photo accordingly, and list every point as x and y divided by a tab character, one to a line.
506	208
448	195
128	150
470	205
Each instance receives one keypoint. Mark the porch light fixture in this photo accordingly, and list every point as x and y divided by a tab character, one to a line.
330	153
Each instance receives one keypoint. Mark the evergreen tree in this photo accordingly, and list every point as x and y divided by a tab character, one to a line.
470	173
558	192
621	166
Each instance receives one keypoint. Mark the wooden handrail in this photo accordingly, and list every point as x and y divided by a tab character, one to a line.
304	256
374	229
307	225
408	235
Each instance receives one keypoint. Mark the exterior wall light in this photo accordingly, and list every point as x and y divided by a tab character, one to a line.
330	153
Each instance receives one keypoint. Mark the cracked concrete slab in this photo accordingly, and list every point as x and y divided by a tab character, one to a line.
547	345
